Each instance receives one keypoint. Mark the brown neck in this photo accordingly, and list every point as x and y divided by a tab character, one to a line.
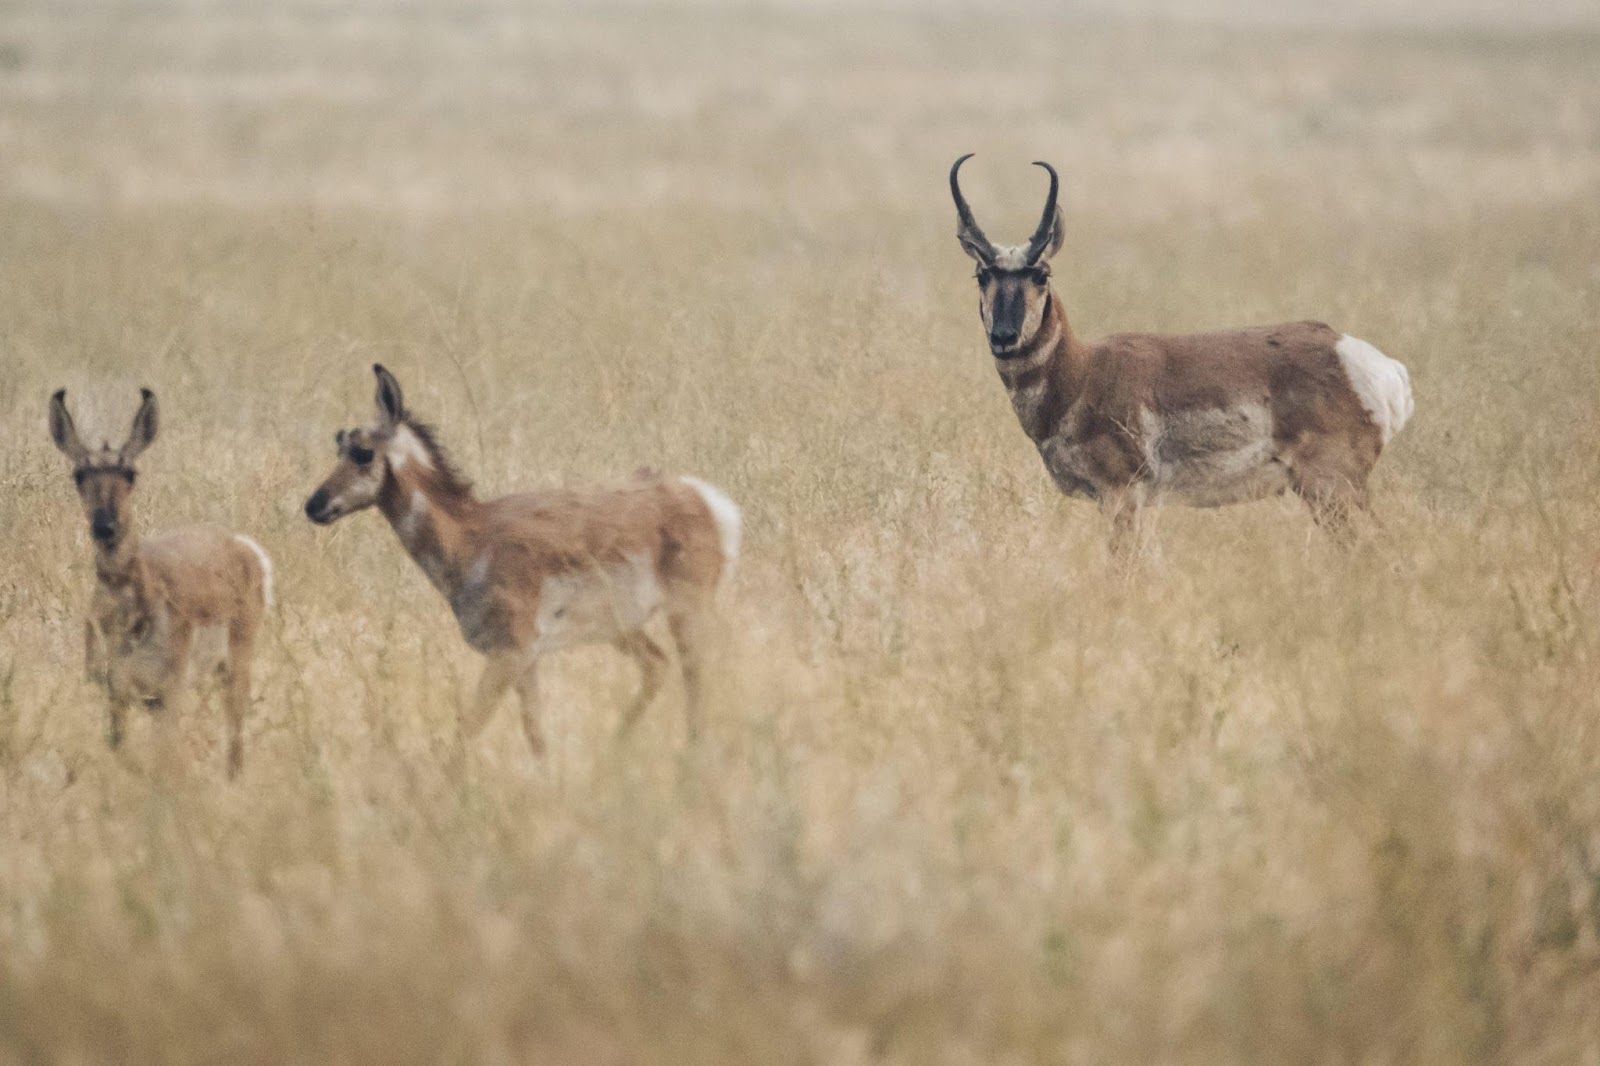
1044	376
114	563
435	521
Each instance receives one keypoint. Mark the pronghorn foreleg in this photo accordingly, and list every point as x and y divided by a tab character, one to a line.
94	652
116	722
652	660
1125	508
497	676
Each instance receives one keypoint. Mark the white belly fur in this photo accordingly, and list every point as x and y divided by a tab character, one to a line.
1212	457
586	606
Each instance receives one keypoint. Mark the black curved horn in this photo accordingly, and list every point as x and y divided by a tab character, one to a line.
969	232
1041	236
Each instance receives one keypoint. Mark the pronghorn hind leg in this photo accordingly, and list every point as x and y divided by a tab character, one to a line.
1336	502
652	660
688	631
527	686
236	694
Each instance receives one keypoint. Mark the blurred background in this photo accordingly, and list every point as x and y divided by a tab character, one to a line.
970	793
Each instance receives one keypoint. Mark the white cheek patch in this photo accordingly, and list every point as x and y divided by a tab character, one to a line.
404	449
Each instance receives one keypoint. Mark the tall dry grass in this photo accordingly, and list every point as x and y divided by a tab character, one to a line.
966	795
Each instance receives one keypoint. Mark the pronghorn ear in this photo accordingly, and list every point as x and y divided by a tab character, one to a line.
145	423
62	431
1052	244
975	244
391	402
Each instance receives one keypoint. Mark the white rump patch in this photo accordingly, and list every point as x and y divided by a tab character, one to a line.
266	567
729	522
404	448
1381	384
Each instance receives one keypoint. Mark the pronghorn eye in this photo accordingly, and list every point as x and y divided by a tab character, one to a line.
359	455
130	476
1040	275
983	276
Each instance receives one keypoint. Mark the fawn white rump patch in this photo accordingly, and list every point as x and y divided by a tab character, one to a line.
266	566
1382	384
730	524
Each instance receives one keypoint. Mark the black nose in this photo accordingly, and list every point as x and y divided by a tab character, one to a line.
1003	338
103	525
314	506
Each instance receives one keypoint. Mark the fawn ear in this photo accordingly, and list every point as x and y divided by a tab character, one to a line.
391	402
62	431
145	423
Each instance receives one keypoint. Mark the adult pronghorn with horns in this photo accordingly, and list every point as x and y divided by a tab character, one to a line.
1203	419
532	573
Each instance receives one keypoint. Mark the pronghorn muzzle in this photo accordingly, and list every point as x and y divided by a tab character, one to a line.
103	525
317	508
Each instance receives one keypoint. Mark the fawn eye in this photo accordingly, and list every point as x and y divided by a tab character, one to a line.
130	476
359	455
78	476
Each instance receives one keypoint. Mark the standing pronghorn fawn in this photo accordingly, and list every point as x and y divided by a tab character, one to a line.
1203	419
531	573
165	609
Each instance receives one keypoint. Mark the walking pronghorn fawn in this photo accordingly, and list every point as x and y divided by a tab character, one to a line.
165	609
1203	419
531	573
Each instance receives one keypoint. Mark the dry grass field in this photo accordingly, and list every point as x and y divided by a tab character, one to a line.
968	792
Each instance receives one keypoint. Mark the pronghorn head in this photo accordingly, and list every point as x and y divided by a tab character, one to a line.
1013	282
104	475
366	457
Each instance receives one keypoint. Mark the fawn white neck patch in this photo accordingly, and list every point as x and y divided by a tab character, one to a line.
405	448
416	514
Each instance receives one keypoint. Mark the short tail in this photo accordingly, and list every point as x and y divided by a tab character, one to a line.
266	566
730	524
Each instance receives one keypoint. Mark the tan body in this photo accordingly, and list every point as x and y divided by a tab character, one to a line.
1202	419
167	611
529	574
